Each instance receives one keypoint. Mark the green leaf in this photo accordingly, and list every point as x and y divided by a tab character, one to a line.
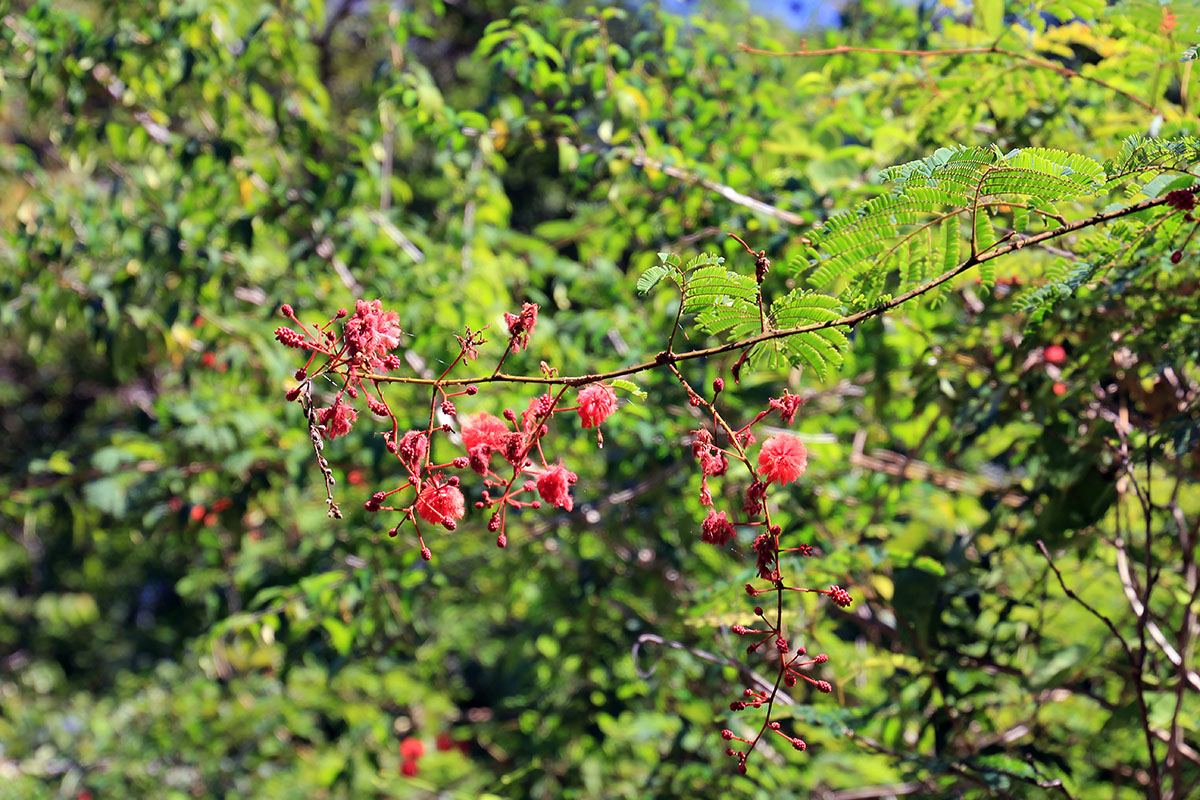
631	387
341	636
989	16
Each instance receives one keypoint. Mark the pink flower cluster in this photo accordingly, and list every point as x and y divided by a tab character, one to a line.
371	333
520	326
364	345
508	454
781	460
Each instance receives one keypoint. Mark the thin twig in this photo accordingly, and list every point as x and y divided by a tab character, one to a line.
1032	61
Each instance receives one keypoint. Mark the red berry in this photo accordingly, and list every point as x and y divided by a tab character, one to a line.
412	748
1055	354
1176	257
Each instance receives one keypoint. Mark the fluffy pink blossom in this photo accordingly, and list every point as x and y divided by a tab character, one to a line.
371	332
441	503
554	485
483	429
337	419
596	403
782	459
717	529
413	446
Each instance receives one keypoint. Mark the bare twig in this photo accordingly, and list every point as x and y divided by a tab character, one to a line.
1028	60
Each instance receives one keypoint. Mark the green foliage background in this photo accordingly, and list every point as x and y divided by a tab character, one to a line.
178	618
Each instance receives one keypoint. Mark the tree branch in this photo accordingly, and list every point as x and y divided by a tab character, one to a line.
850	320
1029	60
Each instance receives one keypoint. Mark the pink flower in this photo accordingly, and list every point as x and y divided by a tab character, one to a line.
371	332
714	463
787	405
413	446
520	326
514	449
717	529
441	503
782	459
483	429
337	419
554	485
596	403
756	493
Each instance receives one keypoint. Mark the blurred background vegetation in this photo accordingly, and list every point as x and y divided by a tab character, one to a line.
178	618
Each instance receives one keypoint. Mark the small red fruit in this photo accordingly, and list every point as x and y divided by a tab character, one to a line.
444	742
1055	354
408	769
1059	388
411	749
197	513
354	477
